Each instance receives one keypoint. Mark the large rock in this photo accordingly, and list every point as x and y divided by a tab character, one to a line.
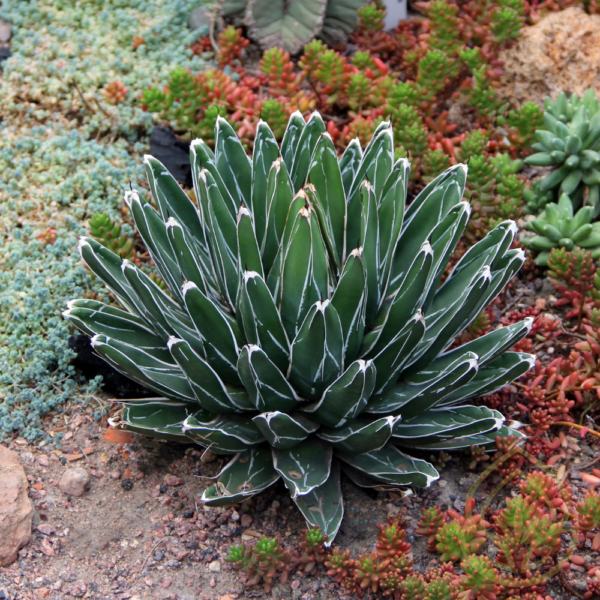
560	53
16	512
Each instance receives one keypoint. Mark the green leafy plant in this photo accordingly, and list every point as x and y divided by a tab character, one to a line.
262	563
558	227
304	327
570	142
109	234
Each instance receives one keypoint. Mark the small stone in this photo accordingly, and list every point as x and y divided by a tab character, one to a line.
41	593
212	582
226	597
46	529
199	18
172	480
295	584
208	457
246	521
127	484
235	516
16	512
43	461
214	566
74	482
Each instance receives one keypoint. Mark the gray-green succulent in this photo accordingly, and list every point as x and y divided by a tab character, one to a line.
558	227
293	24
570	142
305	326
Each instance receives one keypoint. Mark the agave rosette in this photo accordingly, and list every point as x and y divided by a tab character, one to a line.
305	326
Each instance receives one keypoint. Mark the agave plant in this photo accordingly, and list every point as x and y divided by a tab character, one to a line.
293	24
304	327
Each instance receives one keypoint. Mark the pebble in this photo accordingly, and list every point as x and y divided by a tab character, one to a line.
214	566
246	521
74	482
172	480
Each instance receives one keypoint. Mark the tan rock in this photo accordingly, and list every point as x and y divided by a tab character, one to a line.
16	512
560	53
74	482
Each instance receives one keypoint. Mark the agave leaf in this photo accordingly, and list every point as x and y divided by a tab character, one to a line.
487	440
329	198
194	265
316	357
284	431
279	199
507	269
305	275
349	163
418	226
268	388
220	336
107	266
340	18
159	375
93	317
397	310
233	163
264	154
211	392
457	173
369	242
324	506
391	360
489	250
274	277
172	201
248	473
391	213
291	137
156	304
307	142
377	161
443	240
444	322
487	347
390	466
447	423
370	169
261	322
346	397
350	302
248	252
154	234
289	25
359	436
203	159
157	417
223	235
305	466
224	434
495	375
410	399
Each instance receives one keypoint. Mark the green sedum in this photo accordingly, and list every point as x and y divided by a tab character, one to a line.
304	329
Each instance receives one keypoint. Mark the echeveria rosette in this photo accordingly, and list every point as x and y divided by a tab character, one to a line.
570	142
304	327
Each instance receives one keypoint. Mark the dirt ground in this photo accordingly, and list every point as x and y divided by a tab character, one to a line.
140	532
